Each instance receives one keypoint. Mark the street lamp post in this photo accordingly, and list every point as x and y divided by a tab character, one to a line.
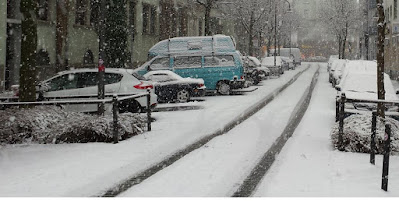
275	31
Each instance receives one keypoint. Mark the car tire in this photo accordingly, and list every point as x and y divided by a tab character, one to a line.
182	96
223	88
130	106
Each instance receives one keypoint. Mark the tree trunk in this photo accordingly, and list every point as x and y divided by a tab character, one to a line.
344	41
251	27
340	47
380	58
116	55
269	43
61	35
208	8
27	89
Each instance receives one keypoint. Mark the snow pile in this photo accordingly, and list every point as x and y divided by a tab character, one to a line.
357	134
45	125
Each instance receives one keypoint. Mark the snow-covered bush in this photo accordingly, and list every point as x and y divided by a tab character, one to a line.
357	134
53	125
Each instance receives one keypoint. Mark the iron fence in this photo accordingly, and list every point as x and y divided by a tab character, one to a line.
340	116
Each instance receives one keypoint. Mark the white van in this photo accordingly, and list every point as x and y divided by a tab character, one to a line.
293	53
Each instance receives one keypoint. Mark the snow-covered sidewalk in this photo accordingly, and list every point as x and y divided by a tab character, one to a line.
309	166
89	169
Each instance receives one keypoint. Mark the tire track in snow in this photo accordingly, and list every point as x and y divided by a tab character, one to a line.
251	182
138	178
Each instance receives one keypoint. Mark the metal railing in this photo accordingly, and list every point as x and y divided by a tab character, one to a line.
114	100
340	115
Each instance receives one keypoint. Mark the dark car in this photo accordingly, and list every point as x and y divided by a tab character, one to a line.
171	87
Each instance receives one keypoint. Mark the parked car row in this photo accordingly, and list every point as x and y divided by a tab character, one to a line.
357	79
178	69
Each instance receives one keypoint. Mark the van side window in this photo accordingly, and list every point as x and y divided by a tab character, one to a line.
187	62
160	63
219	61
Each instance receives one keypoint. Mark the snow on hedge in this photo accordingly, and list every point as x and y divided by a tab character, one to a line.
357	134
45	125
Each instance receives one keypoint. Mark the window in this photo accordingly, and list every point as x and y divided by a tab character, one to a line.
112	78
42	10
132	17
153	20
395	9
187	62
219	61
390	12
81	9
149	18
63	82
95	7
88	58
160	63
200	27
88	79
42	58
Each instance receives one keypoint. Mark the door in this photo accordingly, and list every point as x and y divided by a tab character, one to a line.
87	84
217	68
63	86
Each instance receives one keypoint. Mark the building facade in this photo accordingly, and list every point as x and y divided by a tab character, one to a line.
391	52
68	32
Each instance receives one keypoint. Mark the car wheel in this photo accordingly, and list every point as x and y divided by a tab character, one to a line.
223	88
183	96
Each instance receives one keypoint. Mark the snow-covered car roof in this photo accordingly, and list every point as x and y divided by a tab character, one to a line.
364	86
255	60
361	66
269	61
338	62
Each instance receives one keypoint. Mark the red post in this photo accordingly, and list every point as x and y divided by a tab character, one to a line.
101	90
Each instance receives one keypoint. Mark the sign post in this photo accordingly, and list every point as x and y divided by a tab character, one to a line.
385	167
100	78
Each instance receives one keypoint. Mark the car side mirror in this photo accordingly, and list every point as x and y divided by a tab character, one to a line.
397	91
338	88
44	87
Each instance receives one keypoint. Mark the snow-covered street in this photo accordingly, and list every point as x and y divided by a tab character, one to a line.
307	165
89	169
219	167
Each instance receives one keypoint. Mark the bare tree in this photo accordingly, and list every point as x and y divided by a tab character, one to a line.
380	57
253	15
208	5
27	90
340	16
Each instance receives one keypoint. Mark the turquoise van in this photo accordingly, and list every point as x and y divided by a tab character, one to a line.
197	44
221	72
